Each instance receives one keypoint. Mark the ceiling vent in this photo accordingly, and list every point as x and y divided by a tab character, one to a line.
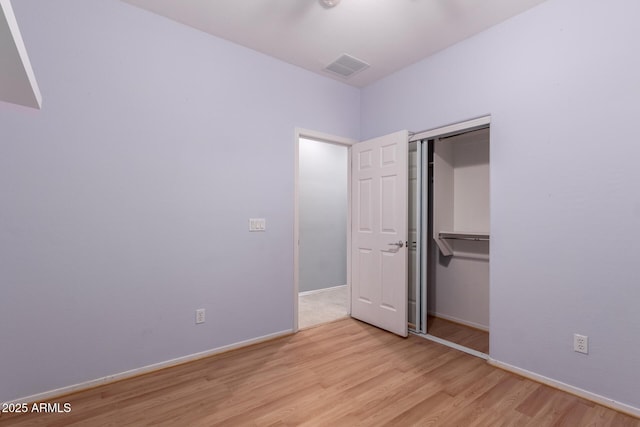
346	66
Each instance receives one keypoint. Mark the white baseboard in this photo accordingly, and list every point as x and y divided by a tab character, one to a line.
317	291
48	395
596	398
460	321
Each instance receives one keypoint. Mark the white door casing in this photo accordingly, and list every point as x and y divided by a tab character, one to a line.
379	182
332	139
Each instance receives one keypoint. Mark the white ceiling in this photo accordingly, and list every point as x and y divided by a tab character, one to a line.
387	34
17	82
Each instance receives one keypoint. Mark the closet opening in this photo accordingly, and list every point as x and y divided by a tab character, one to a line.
449	235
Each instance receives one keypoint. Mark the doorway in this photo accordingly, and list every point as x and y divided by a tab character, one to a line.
449	225
321	229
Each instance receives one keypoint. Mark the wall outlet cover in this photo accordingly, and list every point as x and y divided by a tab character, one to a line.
581	343
200	315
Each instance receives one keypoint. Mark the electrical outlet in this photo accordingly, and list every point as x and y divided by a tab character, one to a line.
200	315
581	343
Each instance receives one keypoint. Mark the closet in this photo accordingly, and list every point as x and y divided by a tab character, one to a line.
449	233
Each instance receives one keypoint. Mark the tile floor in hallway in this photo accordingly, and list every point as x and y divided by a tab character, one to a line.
322	307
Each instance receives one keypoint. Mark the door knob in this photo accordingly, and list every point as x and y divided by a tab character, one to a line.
397	245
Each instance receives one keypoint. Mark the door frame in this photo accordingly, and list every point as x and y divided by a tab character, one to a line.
438	132
329	139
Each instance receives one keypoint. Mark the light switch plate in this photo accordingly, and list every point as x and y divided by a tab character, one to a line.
257	224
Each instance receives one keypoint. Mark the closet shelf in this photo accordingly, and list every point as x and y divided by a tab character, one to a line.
464	235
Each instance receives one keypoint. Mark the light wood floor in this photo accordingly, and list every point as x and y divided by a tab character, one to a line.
344	373
459	334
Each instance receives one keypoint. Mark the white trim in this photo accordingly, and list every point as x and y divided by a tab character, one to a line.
596	398
319	291
453	345
18	42
460	321
349	169
47	395
442	131
331	139
324	137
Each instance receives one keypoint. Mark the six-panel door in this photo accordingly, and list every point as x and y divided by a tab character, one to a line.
379	232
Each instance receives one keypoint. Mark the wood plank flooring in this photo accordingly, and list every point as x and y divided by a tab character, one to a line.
344	373
459	334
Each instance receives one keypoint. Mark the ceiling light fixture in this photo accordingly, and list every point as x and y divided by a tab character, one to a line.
329	3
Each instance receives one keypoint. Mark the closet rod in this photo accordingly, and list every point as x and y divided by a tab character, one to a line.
470	237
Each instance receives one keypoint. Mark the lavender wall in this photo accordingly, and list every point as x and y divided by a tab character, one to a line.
561	84
125	200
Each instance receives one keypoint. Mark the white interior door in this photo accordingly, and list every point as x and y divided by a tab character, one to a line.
379	182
